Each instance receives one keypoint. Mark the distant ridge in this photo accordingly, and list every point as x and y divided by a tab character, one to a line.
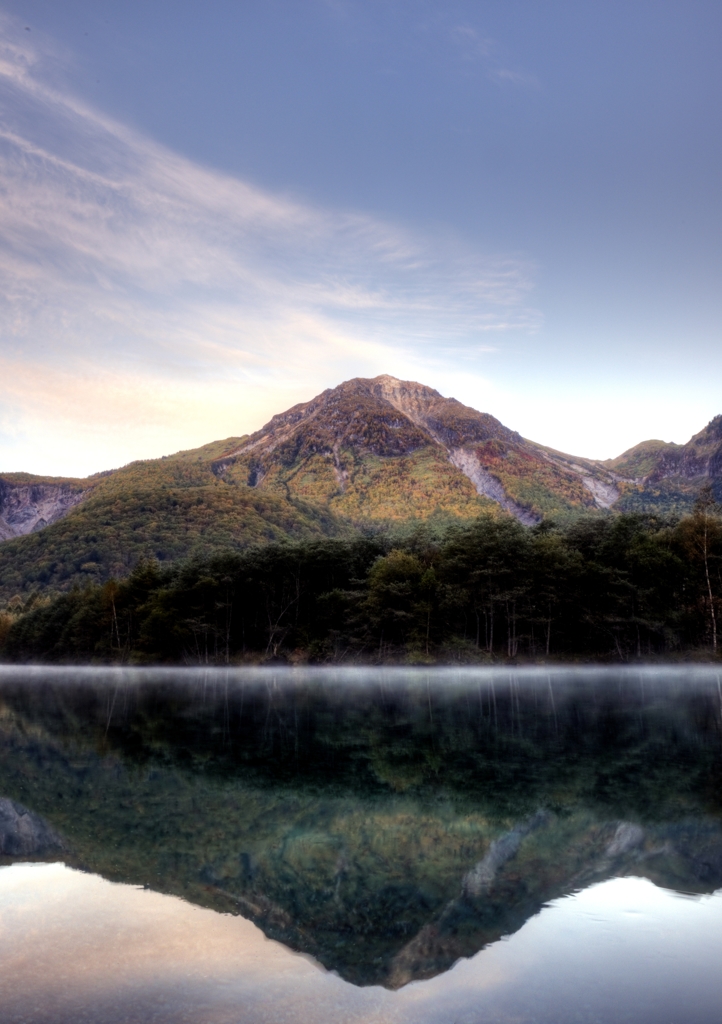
368	453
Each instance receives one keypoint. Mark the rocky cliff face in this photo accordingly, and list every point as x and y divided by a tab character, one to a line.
655	475
27	506
701	457
653	461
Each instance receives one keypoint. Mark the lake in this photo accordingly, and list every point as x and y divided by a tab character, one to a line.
361	845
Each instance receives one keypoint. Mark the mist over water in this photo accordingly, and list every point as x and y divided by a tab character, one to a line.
461	845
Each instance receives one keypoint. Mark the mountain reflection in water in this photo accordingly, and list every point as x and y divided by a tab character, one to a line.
388	823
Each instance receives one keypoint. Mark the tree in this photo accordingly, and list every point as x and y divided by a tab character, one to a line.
485	569
397	588
702	540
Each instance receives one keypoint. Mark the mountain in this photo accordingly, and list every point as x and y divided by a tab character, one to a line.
366	454
386	449
657	476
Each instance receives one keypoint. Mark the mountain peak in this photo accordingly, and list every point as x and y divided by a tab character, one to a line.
382	415
386	448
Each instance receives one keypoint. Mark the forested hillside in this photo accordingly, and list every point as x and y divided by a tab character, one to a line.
616	587
165	509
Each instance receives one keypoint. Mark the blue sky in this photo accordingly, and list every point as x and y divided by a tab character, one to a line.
212	211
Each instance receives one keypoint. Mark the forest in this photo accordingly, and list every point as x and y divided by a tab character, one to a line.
615	588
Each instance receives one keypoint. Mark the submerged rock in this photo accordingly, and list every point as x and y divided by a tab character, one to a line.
22	832
479	879
627	837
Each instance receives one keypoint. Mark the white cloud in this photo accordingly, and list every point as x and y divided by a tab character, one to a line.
149	303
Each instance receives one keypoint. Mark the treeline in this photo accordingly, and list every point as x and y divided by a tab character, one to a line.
620	588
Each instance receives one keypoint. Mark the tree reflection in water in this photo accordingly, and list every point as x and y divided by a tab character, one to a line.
386	822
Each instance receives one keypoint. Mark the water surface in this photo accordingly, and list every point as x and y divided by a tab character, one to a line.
371	846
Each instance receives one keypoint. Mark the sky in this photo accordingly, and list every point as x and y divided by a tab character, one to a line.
210	212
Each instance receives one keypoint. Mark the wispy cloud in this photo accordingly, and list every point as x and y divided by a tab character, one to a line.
508	77
148	302
473	47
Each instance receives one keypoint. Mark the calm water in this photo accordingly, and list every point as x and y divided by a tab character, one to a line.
376	846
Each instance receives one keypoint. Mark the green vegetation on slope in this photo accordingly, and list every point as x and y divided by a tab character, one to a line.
621	587
28	479
641	460
371	488
165	509
667	497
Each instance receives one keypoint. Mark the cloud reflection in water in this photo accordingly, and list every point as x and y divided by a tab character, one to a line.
74	947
